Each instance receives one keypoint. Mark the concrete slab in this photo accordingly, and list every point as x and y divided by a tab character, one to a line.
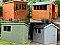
37	21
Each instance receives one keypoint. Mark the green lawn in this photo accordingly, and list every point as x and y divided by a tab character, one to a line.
10	43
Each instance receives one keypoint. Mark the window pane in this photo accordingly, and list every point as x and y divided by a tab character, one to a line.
17	6
36	30
34	7
43	7
23	6
39	30
7	28
38	7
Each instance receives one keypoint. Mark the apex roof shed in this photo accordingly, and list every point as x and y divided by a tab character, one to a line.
42	10
15	10
14	32
45	33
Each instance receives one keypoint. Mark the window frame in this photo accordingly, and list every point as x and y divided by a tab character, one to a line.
20	6
40	7
24	6
43	7
34	7
7	30
17	7
37	30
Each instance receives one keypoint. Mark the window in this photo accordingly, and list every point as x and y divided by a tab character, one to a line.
7	28
40	7
23	6
43	7
35	7
17	6
38	30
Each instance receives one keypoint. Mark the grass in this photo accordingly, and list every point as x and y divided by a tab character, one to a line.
10	43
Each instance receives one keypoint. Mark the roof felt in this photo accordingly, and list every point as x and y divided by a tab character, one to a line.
41	25
43	3
45	25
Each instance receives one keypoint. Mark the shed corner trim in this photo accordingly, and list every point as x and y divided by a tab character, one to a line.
52	25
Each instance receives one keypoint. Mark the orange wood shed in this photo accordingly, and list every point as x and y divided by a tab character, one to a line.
15	10
42	10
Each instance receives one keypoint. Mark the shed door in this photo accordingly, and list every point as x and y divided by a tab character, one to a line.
56	11
50	35
53	11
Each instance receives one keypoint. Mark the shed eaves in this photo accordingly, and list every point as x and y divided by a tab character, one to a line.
43	3
45	25
42	25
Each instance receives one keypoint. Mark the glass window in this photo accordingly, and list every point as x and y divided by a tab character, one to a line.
7	28
36	30
39	30
23	6
40	7
17	6
35	7
43	7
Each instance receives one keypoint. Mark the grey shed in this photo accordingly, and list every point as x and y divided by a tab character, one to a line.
45	33
14	32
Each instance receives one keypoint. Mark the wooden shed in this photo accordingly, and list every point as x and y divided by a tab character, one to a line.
45	33
15	10
14	32
42	10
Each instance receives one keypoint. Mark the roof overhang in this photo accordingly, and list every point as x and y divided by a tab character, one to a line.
43	3
51	25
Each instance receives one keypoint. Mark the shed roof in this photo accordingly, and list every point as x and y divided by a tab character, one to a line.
13	23
45	25
15	1
41	25
43	3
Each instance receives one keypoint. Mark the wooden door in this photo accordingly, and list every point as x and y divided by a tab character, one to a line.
56	11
